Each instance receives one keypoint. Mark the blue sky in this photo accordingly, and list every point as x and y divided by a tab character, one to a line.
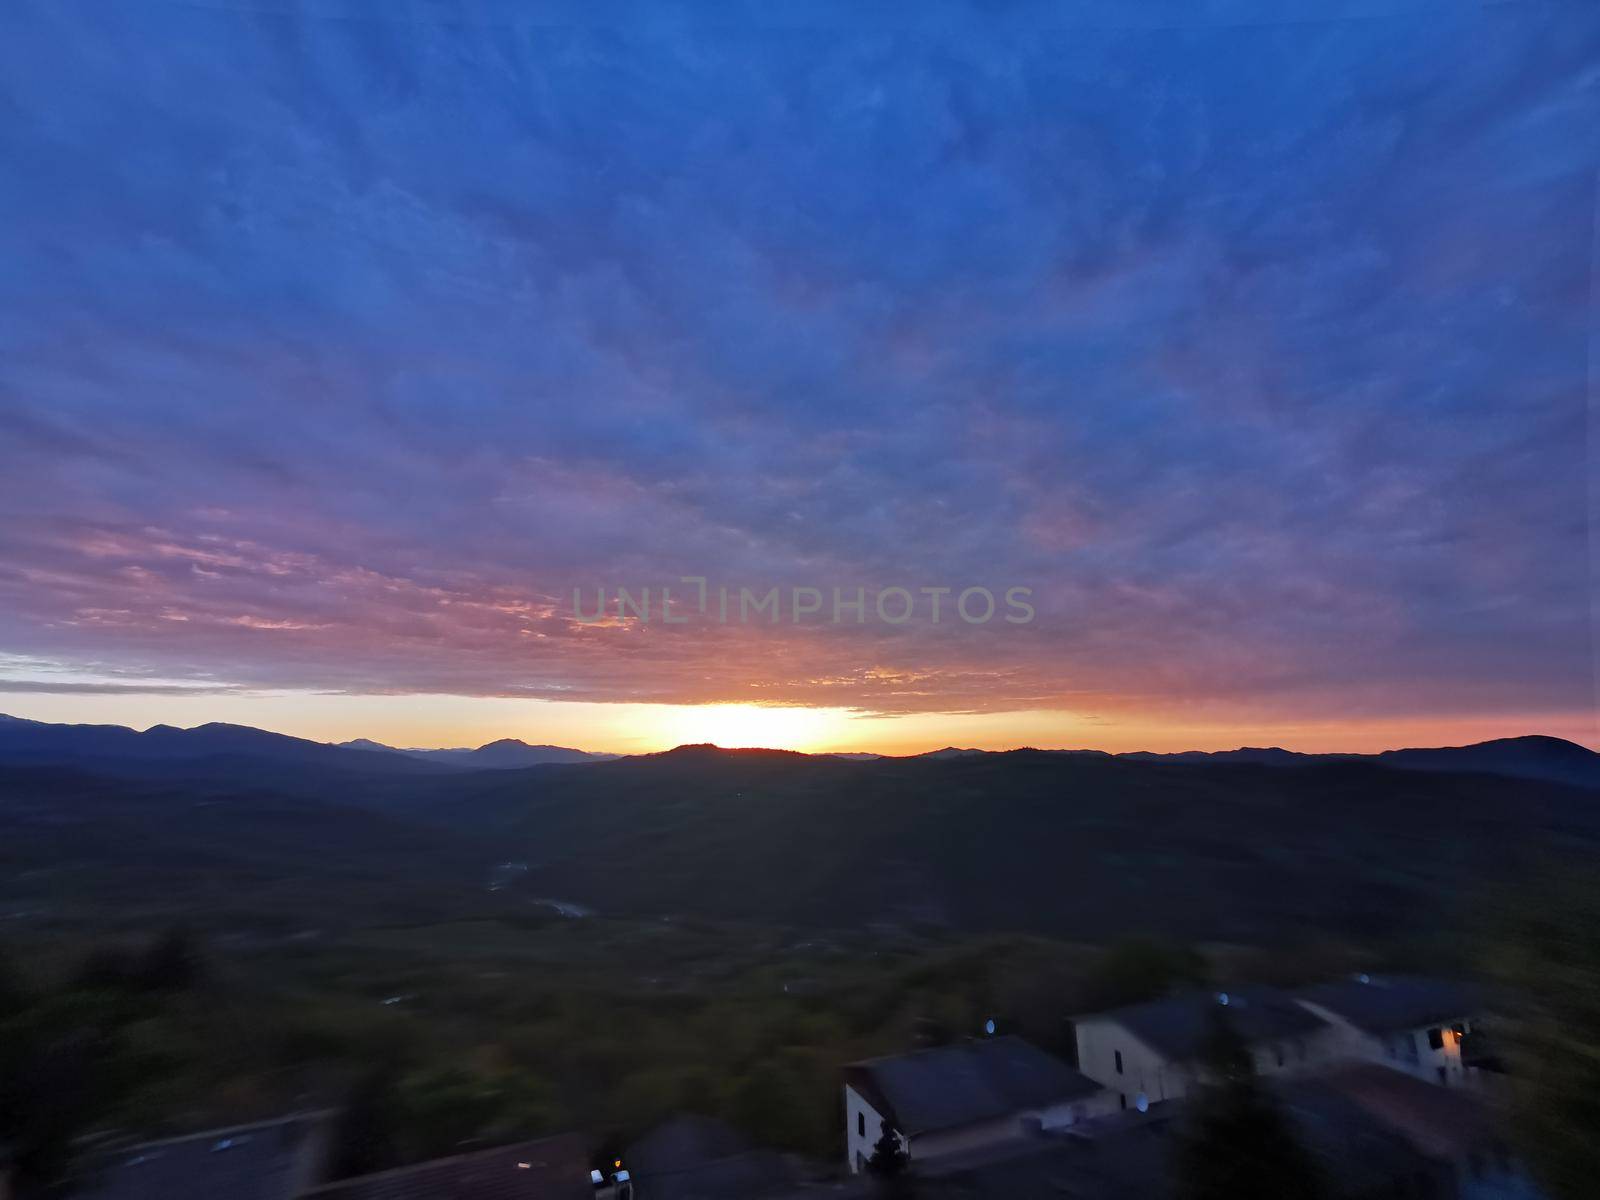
341	342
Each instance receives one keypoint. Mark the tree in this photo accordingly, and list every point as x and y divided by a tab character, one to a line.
173	962
1547	956
58	1075
13	988
1237	1145
890	1163
1137	969
366	1137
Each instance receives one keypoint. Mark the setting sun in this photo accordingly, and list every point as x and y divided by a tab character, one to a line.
774	727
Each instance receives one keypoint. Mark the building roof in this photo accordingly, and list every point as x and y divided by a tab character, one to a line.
552	1168
268	1160
1357	1148
1394	1003
957	1085
686	1140
1178	1027
694	1157
1440	1122
1131	1156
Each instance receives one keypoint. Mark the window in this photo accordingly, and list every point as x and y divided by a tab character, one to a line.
1123	1096
1436	1038
1118	1053
861	1124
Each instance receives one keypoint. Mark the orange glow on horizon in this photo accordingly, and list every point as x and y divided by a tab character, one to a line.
624	728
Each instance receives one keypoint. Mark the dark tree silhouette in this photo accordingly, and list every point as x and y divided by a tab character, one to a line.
1237	1145
173	962
890	1163
365	1139
54	1083
1547	955
13	989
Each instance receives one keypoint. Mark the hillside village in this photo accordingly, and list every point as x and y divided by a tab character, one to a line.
1390	1085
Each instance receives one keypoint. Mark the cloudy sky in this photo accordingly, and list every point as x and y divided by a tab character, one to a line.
339	343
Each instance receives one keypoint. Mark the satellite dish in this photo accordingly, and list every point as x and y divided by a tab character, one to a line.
988	1027
1222	999
1142	1102
1364	977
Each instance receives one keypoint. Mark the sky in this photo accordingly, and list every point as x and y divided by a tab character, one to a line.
340	344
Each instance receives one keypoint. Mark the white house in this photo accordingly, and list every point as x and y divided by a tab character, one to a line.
963	1097
1405	1022
1147	1053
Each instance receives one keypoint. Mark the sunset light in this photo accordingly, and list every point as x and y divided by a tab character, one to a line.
831	600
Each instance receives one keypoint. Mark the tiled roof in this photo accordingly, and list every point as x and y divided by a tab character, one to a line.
1441	1122
973	1081
1179	1026
1394	1003
553	1168
269	1160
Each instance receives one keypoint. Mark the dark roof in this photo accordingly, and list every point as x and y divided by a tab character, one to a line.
1124	1157
552	1168
687	1140
269	1160
693	1157
972	1081
1440	1122
1179	1026
753	1173
1394	1003
1131	1156
1360	1151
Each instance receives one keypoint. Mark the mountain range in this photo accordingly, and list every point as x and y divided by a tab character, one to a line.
1530	757
495	756
247	828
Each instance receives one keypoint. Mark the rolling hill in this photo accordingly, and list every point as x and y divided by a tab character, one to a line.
1081	845
24	741
501	755
1087	845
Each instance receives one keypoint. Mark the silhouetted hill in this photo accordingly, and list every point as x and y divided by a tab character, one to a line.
77	846
1269	756
100	746
1533	757
1089	845
500	755
1083	844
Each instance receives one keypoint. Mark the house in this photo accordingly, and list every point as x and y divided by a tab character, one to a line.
268	1160
1407	1022
954	1098
1147	1053
551	1168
